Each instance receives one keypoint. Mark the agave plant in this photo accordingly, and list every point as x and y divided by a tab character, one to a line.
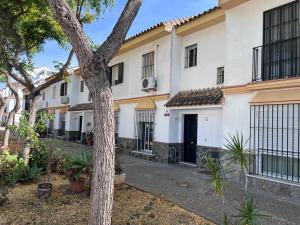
236	151
248	213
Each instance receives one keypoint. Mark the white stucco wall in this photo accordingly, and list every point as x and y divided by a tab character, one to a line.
210	56
132	83
126	124
209	125
244	31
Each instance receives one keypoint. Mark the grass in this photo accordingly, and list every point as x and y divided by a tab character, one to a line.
131	206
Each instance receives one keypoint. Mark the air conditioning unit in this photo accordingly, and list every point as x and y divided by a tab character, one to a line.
149	83
65	100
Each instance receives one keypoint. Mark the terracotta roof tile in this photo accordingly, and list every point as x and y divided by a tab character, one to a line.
207	96
82	107
170	23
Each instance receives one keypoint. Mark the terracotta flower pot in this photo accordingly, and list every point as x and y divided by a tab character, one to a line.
77	186
44	191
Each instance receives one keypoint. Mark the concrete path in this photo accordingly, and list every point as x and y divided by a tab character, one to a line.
186	187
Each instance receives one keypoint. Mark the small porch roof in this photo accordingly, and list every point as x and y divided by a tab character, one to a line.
199	97
81	107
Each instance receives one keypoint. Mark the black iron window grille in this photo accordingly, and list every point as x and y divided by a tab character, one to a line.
220	75
144	130
148	65
274	142
279	55
190	56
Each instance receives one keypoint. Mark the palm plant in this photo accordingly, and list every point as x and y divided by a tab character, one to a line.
217	179
248	213
236	151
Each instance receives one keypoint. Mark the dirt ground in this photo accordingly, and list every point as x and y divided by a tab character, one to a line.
131	207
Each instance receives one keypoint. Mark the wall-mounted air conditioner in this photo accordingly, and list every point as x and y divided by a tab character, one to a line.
149	84
65	100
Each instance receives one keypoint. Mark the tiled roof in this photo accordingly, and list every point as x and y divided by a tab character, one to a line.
82	107
170	23
207	96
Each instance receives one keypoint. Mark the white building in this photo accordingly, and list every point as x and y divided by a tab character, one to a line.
38	75
182	86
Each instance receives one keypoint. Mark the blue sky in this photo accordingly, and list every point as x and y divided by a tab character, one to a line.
151	12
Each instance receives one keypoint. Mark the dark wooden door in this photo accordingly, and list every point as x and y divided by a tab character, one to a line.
190	138
80	128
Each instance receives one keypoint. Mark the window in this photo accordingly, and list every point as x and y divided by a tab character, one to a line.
275	141
191	56
64	89
220	75
90	97
54	92
281	42
144	130
81	86
116	74
44	96
148	65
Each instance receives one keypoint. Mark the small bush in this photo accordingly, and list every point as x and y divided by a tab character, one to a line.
10	168
39	156
30	174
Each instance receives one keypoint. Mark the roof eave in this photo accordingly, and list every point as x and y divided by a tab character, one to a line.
154	34
204	21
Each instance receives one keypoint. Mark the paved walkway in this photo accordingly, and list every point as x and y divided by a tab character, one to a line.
185	186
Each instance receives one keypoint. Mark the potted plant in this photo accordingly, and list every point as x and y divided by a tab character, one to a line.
89	134
78	170
119	175
44	190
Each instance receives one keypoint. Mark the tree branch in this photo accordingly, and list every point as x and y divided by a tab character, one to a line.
113	43
73	29
58	77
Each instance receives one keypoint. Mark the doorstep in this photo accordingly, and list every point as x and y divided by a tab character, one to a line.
143	155
183	163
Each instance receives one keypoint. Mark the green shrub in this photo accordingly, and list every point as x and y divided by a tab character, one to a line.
10	167
39	156
29	174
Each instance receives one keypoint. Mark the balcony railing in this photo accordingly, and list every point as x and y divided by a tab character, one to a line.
277	60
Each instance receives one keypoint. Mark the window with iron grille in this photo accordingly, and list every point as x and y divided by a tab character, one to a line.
148	65
190	56
281	42
220	75
274	141
81	86
144	130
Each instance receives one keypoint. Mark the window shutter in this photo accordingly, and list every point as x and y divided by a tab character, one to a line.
109	75
66	88
62	90
121	73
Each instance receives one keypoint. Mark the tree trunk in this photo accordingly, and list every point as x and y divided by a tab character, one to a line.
34	106
2	109
103	160
11	115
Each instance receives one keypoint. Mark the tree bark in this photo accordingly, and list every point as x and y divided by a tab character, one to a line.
34	106
94	66
3	104
103	166
11	115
